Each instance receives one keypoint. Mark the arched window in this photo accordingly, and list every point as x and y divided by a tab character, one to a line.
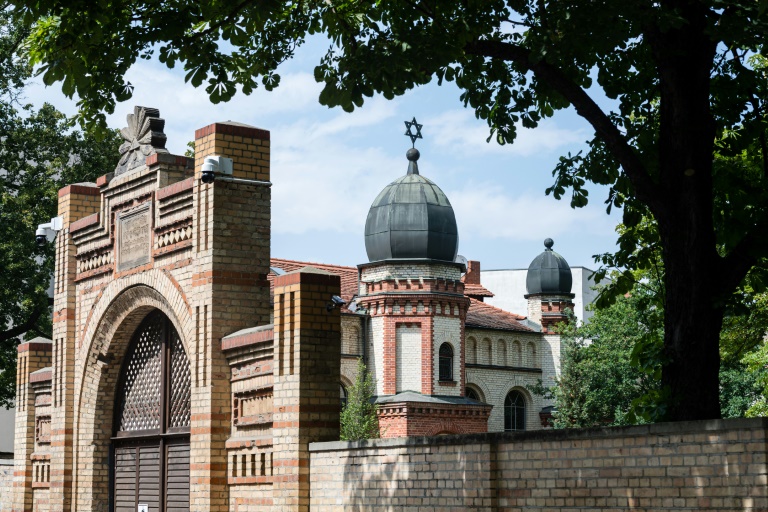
471	393
342	395
514	411
446	362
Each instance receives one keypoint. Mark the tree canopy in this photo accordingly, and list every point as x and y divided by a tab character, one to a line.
684	79
39	153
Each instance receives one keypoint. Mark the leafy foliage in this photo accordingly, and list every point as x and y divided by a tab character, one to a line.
611	366
39	153
685	81
358	417
601	378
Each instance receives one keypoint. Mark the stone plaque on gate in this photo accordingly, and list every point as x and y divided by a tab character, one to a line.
134	238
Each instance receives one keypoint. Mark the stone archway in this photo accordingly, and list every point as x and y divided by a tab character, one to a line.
116	318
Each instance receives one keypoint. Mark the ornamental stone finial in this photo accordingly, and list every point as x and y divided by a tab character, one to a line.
143	137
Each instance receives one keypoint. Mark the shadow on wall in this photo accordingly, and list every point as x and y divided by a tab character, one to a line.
703	465
412	473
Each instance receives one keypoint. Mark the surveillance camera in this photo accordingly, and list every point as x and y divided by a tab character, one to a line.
40	238
338	301
207	176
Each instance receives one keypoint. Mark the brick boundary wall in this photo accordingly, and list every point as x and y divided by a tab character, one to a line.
703	465
6	484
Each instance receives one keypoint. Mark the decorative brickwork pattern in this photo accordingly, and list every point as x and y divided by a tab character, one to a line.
307	352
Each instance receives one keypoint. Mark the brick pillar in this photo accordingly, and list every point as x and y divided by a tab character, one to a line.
307	356
75	203
32	356
231	236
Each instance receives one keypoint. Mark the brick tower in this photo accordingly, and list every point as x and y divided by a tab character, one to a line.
549	282
412	290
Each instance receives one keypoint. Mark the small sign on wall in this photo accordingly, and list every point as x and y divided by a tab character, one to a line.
134	237
143	507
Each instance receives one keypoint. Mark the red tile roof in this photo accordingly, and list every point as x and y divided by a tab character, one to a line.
348	275
476	290
486	316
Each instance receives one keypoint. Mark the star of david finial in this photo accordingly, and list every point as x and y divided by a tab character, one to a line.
409	131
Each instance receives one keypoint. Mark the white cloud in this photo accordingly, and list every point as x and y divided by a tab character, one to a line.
486	211
459	132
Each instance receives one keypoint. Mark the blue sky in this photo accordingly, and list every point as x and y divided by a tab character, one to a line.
328	166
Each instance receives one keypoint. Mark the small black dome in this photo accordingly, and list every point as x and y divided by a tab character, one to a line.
549	272
411	219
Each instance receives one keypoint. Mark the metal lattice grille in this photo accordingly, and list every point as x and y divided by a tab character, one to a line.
142	396
180	384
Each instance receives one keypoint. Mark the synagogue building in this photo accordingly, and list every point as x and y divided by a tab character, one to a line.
190	370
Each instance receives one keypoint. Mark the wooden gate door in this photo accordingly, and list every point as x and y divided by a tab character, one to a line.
151	442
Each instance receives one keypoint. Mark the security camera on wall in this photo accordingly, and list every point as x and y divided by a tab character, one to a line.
47	232
213	166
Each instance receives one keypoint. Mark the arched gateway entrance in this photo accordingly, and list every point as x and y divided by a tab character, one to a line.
152	418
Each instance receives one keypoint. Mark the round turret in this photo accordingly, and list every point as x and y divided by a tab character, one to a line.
549	273
411	219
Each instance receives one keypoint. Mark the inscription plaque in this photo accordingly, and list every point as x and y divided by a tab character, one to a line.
134	242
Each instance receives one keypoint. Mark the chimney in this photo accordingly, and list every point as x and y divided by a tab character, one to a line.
473	273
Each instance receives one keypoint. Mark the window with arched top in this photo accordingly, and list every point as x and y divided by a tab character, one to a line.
446	362
472	393
514	411
342	395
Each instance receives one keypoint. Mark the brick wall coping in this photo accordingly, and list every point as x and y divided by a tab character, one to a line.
169	159
86	189
85	222
250	336
38	344
308	275
41	375
657	429
232	128
175	188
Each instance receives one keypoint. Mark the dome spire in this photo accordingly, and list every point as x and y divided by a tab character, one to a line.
413	154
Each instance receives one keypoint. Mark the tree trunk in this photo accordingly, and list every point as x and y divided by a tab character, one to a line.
694	308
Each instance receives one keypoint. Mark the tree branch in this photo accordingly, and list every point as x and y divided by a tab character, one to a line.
18	330
743	257
645	188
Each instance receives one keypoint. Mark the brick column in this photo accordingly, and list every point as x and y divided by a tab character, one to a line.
32	356
75	203
306	379
230	249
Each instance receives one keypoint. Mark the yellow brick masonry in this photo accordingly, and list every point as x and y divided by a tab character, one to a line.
704	465
75	203
229	291
32	356
306	379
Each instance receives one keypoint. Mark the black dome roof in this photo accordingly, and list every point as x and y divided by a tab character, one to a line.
411	219
549	272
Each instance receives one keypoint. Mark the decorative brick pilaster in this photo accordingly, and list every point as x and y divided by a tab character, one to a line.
307	355
230	251
75	203
32	356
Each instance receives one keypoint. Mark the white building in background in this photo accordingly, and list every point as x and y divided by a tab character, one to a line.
509	288
7	429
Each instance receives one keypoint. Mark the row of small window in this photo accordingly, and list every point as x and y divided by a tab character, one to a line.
501	355
514	408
